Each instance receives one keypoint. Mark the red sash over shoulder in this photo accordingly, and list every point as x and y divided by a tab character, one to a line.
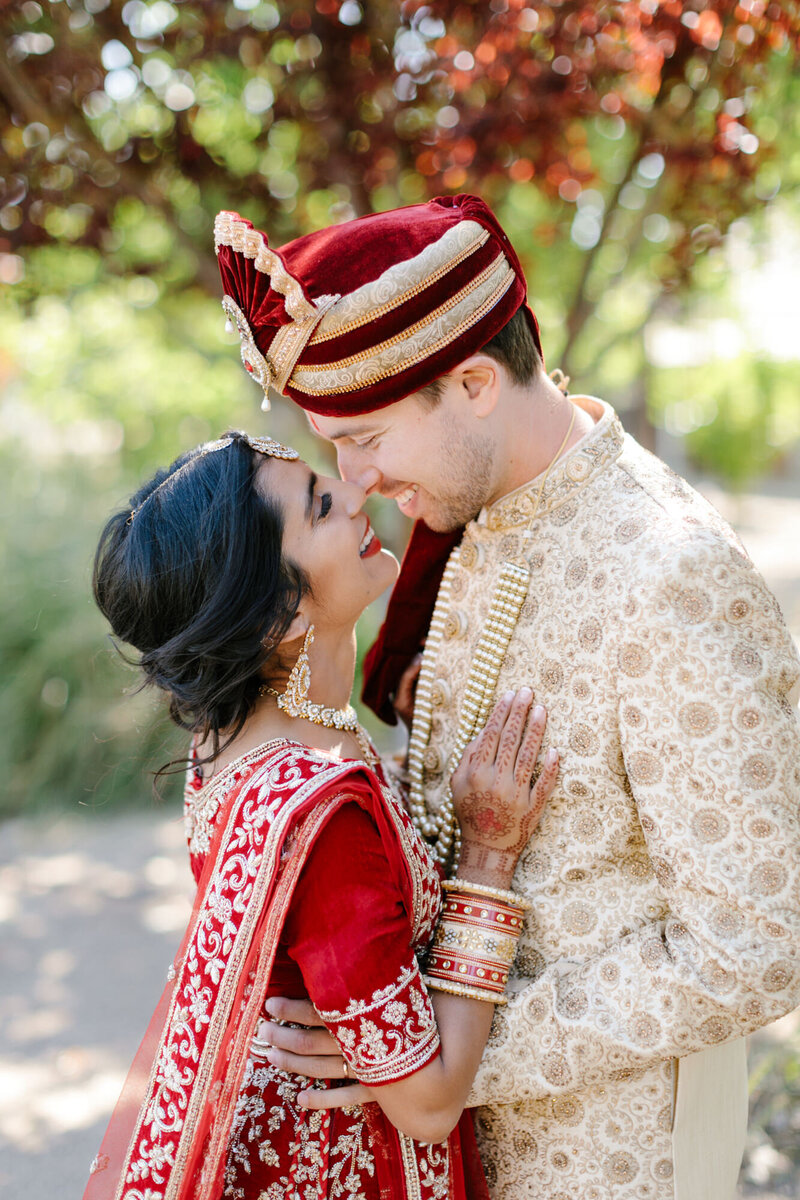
169	1135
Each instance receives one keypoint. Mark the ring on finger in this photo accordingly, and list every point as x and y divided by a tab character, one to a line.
345	1069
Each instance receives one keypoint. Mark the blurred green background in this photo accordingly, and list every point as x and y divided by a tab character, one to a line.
643	157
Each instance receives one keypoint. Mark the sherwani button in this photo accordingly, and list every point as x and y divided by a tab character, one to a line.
455	624
431	760
473	555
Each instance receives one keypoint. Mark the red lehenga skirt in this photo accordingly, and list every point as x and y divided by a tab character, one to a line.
279	1150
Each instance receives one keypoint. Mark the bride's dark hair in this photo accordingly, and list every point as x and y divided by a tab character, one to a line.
195	580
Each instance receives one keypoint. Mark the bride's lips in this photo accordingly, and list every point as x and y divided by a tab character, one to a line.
370	543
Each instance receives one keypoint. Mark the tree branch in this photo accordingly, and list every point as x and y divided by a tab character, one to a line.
582	308
624	336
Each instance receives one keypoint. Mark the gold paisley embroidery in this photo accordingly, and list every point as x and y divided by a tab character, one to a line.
571	474
392	1034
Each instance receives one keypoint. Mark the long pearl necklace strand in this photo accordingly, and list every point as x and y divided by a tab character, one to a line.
441	827
508	598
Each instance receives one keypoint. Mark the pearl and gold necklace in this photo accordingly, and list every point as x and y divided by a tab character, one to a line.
508	598
345	719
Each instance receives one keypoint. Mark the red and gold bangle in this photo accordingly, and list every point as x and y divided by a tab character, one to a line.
475	941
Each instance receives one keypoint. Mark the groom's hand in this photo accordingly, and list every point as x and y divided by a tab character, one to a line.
309	1051
403	702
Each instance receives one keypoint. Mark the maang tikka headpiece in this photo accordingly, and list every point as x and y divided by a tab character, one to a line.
262	445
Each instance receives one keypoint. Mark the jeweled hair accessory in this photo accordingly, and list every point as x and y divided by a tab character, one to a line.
262	445
273	449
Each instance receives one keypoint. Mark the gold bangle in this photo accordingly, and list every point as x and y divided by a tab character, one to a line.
480	889
461	989
467	969
475	941
497	947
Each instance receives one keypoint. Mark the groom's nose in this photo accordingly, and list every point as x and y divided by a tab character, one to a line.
353	497
354	469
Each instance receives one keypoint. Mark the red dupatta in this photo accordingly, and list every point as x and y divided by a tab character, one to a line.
168	1136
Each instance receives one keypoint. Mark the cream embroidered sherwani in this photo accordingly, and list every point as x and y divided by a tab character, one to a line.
665	875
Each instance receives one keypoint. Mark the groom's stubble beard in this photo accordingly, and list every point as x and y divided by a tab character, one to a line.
463	486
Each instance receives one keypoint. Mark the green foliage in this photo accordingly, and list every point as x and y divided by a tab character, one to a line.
102	385
69	734
774	1118
739	419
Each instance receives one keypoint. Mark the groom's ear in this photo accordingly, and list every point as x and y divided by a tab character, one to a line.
479	375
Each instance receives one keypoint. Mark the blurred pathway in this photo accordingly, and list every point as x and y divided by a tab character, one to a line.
92	908
92	911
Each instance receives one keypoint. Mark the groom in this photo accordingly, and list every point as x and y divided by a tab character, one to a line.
664	878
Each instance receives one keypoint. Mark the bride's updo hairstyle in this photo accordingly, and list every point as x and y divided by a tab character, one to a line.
192	575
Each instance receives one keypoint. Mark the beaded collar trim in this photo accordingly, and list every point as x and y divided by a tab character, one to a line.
601	446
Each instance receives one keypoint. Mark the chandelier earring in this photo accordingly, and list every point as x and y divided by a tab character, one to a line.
294	699
295	702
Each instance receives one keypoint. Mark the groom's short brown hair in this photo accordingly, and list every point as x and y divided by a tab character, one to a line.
513	346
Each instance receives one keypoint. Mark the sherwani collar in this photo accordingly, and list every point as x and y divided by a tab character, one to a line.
583	463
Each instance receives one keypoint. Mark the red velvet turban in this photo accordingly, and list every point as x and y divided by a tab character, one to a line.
356	316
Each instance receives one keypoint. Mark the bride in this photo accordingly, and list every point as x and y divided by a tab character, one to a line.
238	575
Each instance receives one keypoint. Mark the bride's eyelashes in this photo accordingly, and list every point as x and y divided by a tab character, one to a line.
325	502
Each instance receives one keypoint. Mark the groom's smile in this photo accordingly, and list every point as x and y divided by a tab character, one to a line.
405	498
432	460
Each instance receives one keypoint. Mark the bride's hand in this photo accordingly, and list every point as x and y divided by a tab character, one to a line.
495	804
